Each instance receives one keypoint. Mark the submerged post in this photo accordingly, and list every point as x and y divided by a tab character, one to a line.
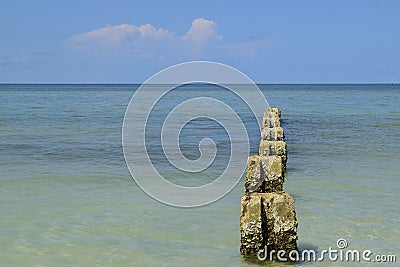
268	218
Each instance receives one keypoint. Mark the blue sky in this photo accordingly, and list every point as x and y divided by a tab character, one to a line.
270	41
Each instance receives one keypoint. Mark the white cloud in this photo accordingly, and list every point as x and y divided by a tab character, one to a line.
114	35
147	40
107	35
202	30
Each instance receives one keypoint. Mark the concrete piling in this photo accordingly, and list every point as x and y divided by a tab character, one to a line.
268	218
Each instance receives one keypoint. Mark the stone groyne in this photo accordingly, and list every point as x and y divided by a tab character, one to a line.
268	218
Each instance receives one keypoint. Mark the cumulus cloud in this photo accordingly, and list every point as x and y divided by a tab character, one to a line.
113	35
202	30
147	40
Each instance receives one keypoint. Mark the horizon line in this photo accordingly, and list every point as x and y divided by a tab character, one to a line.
261	83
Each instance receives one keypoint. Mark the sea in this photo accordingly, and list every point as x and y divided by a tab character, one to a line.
67	197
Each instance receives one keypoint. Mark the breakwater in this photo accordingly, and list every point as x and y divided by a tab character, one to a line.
268	217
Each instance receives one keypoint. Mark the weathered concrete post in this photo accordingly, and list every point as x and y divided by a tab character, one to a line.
268	218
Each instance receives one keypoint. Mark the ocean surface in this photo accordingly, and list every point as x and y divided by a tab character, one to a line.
68	199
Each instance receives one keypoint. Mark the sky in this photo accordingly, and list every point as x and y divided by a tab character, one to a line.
270	41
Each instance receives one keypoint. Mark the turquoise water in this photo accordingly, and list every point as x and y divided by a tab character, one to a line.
67	197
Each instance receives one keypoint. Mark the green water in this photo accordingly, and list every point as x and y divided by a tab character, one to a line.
67	197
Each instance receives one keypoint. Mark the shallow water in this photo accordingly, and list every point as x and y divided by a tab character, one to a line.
67	197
